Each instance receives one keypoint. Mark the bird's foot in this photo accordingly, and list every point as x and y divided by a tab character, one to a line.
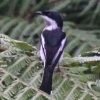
58	70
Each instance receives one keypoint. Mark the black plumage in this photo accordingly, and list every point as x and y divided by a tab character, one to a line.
53	41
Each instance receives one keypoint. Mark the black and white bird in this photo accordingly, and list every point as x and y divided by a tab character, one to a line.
53	42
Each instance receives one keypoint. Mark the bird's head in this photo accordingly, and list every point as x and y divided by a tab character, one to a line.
51	18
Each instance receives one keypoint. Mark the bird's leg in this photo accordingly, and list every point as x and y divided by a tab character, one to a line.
58	69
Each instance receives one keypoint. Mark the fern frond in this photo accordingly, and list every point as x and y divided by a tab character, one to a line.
4	3
27	31
74	43
23	45
10	24
38	6
63	4
77	38
96	12
31	38
81	49
90	5
25	5
15	34
24	91
18	65
4	97
87	59
12	8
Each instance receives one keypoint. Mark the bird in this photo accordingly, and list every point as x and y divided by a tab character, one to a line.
52	44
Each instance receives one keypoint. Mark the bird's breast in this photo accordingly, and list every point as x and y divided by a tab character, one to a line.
53	38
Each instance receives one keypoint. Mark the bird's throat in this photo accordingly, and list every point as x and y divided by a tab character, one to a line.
50	27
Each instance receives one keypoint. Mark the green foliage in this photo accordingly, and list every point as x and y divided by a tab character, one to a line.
21	68
20	65
19	21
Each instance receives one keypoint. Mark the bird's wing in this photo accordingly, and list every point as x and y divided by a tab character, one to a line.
53	44
60	51
43	46
43	50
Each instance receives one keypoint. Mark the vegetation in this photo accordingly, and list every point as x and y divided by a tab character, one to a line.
20	64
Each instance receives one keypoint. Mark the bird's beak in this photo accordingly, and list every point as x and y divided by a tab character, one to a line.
39	13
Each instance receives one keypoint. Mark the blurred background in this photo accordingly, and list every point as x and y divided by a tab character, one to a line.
81	21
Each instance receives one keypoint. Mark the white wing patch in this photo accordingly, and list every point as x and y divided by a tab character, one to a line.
42	50
59	50
61	57
42	55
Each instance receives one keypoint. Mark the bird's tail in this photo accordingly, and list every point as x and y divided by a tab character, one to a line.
46	85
